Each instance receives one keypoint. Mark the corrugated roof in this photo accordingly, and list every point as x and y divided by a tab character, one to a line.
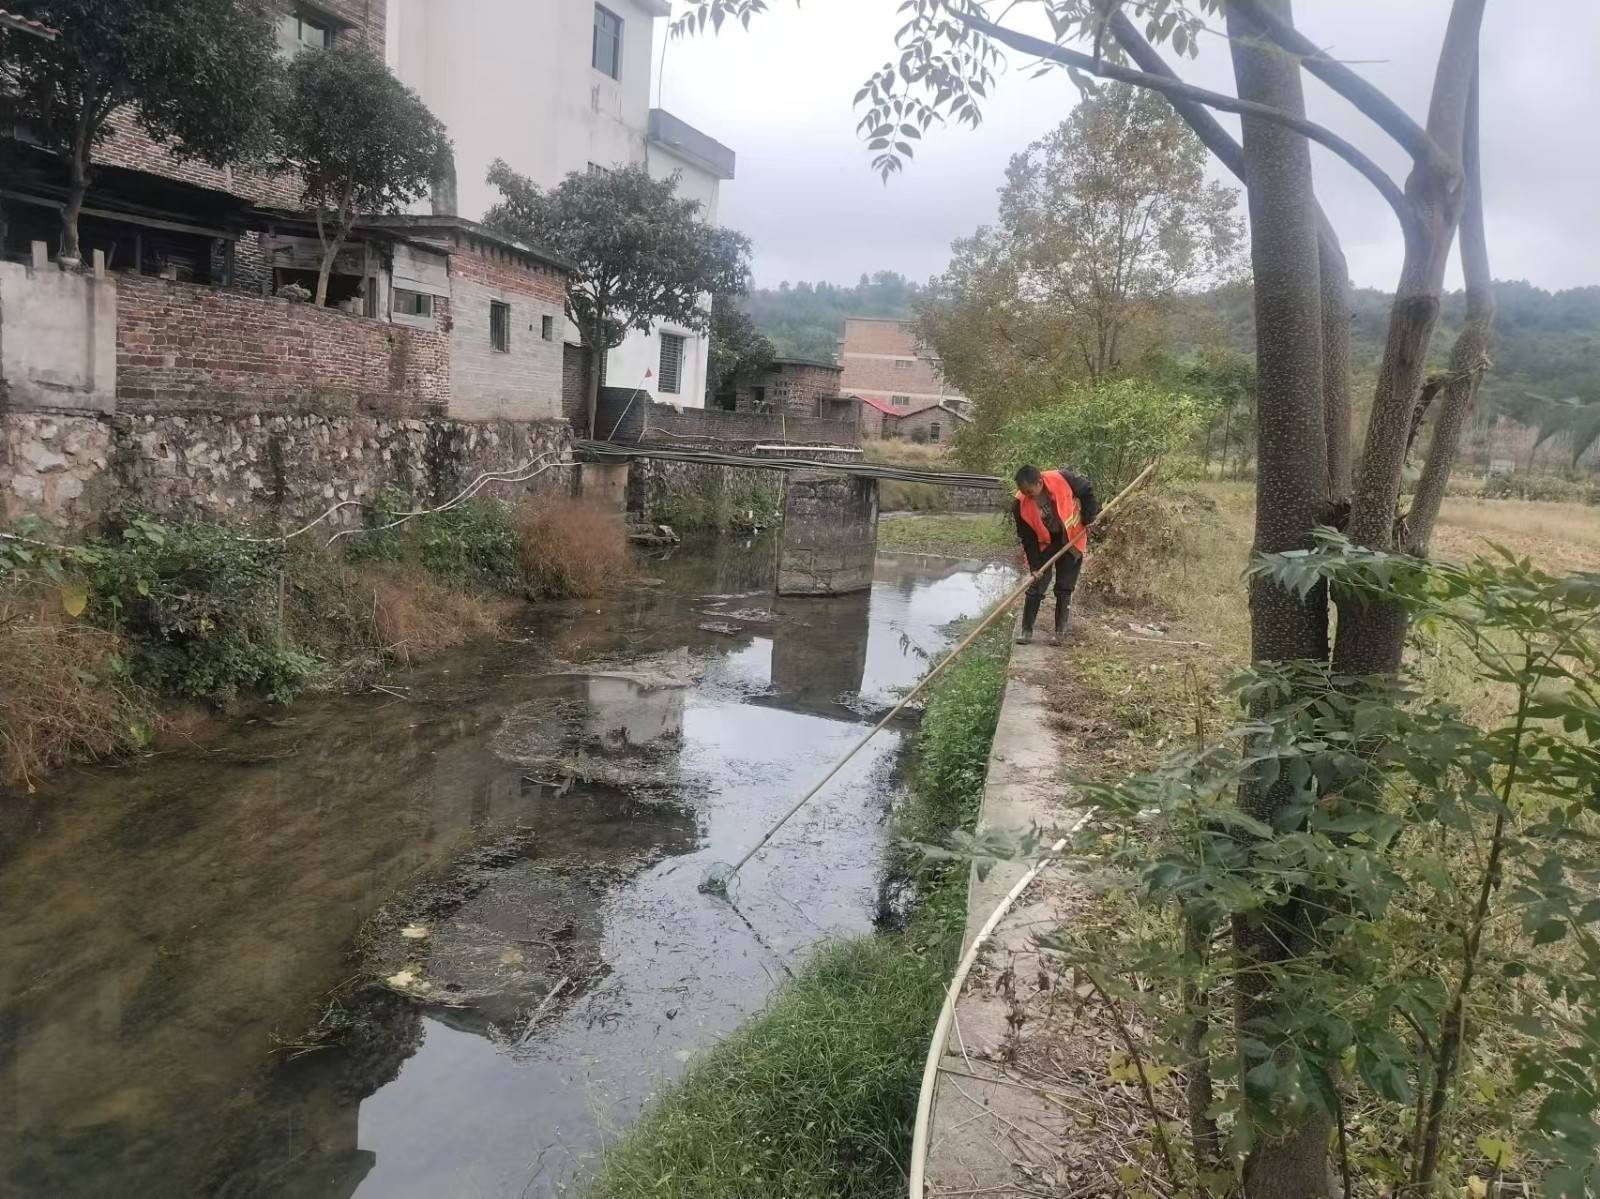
28	25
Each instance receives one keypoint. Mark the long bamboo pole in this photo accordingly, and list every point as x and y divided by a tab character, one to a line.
720	885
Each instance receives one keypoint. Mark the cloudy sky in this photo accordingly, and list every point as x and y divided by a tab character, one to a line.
780	96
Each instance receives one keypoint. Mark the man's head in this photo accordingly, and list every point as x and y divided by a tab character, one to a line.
1030	481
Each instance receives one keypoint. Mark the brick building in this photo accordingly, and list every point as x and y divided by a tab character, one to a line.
932	423
883	360
426	314
797	387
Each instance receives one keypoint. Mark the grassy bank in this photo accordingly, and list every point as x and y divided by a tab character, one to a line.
815	1097
96	637
988	536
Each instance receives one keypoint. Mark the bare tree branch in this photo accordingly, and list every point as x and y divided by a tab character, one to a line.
1174	88
1388	115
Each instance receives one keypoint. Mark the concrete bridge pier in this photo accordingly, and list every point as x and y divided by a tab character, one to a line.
830	534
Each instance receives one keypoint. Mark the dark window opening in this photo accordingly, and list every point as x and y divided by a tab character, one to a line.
671	363
607	57
500	326
727	401
900	401
299	31
547	328
933	431
412	303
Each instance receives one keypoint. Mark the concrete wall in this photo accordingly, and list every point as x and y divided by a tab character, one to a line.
525	381
829	540
647	421
186	345
58	339
258	469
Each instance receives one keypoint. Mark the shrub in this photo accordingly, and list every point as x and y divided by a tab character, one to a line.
1548	488
1107	432
414	615
569	548
200	609
64	690
473	544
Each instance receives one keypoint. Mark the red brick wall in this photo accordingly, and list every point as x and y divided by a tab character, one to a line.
894	363
128	146
184	345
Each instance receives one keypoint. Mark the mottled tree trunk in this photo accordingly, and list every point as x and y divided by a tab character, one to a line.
1291	500
1469	355
1372	633
1335	280
592	379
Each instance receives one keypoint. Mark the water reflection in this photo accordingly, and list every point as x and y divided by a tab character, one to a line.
166	926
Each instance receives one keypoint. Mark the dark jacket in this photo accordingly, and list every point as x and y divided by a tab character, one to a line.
1088	509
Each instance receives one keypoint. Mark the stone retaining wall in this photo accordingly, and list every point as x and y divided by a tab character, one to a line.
71	470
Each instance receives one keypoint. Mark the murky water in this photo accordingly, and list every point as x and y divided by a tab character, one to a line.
516	832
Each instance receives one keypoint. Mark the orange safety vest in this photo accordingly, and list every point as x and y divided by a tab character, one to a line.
1066	508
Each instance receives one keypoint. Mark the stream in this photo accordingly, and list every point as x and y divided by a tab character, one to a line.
444	939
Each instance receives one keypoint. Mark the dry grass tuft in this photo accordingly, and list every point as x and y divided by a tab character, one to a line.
61	696
415	616
570	548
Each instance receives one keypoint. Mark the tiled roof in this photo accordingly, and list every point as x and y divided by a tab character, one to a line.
27	25
891	410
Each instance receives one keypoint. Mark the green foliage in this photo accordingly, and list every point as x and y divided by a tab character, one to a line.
738	349
474	544
1102	222
193	73
363	142
1107	432
643	253
199	608
1549	488
806	320
815	1097
989	535
1438	879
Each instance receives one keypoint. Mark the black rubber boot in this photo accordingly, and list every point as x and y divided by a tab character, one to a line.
1063	619
1030	613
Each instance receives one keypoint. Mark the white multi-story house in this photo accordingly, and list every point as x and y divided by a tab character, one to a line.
553	87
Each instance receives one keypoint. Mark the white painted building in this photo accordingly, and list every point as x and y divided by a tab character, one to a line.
553	87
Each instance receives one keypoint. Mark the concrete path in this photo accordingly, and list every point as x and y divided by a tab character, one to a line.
994	1133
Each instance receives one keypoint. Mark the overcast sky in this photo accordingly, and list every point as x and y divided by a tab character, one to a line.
780	96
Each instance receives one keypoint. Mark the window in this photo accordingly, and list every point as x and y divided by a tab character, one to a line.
412	303
547	328
607	42
902	364
297	32
500	326
933	431
900	401
671	363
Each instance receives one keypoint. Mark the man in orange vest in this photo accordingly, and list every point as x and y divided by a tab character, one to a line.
1053	510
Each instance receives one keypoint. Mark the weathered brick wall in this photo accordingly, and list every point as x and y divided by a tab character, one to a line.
795	387
829	541
255	469
741	430
129	146
935	424
185	346
526	382
574	369
883	358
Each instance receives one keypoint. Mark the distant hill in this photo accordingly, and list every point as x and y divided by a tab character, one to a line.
1547	343
806	320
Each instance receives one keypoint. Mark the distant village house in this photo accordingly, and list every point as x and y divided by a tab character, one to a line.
899	382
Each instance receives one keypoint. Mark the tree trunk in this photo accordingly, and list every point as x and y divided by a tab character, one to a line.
1372	633
1291	500
1335	279
77	188
591	383
1469	355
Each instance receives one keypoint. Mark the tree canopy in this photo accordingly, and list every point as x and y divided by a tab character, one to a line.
361	140
193	74
738	348
643	254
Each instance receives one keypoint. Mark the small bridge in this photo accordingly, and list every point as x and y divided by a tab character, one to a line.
829	537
